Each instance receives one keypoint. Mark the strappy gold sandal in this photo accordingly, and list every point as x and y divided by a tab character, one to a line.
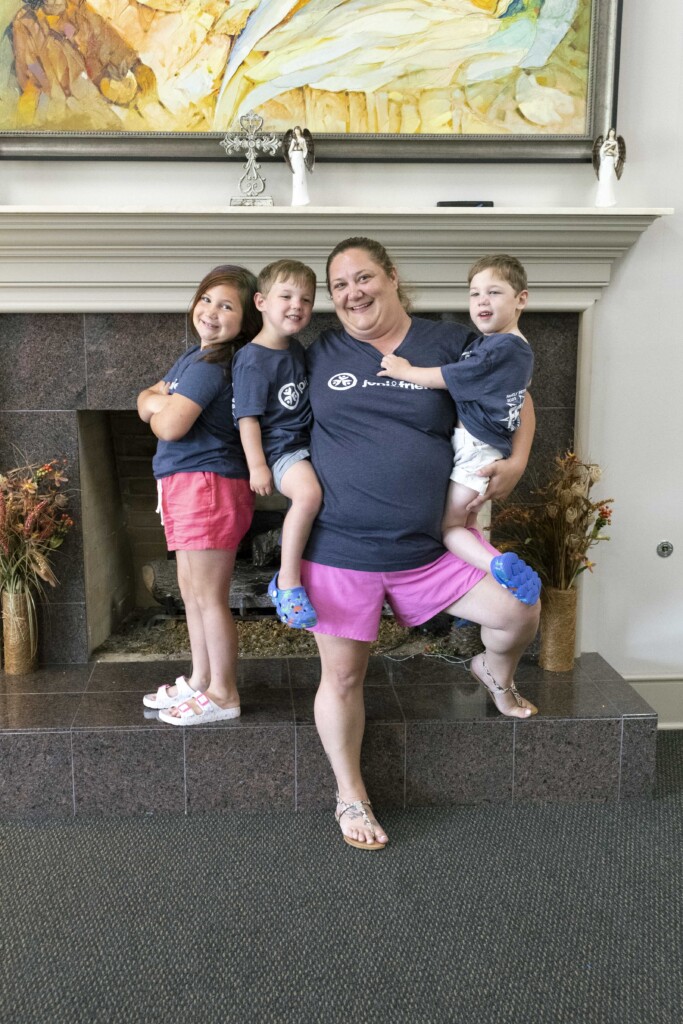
359	806
497	691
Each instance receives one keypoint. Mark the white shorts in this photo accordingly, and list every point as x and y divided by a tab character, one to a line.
470	455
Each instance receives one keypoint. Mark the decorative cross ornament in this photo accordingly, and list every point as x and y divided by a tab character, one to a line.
250	140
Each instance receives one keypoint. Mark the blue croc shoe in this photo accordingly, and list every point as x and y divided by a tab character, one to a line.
293	606
516	576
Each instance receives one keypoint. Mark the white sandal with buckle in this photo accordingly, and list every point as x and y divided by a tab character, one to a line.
162	698
206	711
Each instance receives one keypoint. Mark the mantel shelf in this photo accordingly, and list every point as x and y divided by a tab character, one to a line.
74	259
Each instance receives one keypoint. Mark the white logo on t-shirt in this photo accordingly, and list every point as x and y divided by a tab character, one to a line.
288	395
342	382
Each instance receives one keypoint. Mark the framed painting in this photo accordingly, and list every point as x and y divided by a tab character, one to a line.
390	80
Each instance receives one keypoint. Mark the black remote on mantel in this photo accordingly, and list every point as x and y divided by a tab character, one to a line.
466	202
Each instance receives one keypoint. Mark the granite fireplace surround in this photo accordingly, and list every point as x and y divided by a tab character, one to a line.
73	736
67	372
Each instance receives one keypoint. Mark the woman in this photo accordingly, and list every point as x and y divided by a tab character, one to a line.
383	454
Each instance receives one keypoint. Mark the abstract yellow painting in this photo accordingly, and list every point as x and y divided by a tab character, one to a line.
390	68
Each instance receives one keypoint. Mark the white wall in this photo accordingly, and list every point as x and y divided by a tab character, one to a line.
632	607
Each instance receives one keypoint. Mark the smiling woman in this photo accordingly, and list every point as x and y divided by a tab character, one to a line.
382	450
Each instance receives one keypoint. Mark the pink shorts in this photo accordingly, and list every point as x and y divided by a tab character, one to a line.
349	602
205	511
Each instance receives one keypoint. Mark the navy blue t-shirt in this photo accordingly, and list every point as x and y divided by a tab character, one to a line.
381	449
272	385
489	383
212	444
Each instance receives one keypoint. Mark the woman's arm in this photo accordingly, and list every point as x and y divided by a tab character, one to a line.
260	477
505	474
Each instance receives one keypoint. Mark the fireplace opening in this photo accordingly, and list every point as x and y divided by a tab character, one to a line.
130	577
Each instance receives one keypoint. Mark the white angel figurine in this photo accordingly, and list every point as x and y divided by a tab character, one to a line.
299	156
609	155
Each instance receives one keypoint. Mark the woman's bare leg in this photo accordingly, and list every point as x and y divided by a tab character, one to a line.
340	718
507	628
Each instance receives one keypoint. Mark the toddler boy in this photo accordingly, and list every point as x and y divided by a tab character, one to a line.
489	384
273	413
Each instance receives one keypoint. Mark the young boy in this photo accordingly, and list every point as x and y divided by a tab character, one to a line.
489	384
273	413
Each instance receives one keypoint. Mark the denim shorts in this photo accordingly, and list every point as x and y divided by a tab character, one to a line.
285	462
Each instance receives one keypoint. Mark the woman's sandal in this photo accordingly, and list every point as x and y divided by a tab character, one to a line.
162	699
359	807
516	576
208	711
293	606
497	691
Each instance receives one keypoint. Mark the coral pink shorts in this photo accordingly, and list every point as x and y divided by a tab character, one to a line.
349	602
204	511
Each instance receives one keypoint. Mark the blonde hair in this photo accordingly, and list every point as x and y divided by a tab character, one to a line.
506	267
285	270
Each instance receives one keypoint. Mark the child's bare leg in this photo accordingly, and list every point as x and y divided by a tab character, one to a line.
300	485
210	573
454	527
201	670
200	677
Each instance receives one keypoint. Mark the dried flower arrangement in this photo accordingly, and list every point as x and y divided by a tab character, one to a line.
33	524
555	531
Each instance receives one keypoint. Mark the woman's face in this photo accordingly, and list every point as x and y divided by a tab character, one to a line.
365	297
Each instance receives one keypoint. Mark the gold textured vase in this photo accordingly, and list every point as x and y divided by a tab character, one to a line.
558	629
19	633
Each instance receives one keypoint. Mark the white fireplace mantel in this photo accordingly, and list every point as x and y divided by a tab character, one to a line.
71	259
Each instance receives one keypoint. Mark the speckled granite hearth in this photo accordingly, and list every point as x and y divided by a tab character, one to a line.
76	740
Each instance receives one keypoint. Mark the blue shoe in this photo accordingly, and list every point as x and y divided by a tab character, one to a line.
293	606
516	576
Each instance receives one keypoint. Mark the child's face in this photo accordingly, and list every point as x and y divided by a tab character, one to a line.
287	307
217	317
494	304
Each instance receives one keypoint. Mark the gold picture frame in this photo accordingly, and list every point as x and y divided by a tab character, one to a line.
504	85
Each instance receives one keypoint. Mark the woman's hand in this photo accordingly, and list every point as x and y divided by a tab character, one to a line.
504	475
261	481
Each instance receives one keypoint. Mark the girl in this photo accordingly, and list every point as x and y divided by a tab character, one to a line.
205	500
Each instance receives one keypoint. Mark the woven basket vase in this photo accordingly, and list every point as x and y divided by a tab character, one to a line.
18	636
558	629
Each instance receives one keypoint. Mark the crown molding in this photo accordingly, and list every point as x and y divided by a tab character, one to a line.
70	259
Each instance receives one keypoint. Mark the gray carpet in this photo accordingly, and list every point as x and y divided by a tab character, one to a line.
524	915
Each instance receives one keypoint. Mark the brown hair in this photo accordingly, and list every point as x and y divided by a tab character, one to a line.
285	270
244	283
378	254
506	267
